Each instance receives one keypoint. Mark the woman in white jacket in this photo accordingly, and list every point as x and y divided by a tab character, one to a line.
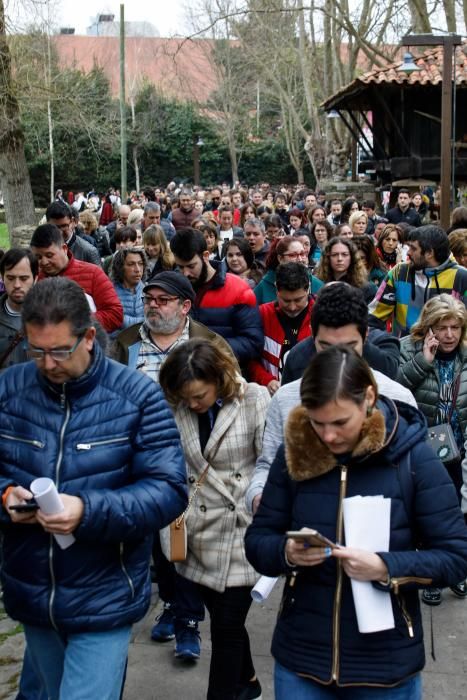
221	421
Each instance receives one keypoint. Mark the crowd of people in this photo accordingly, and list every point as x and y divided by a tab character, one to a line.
251	358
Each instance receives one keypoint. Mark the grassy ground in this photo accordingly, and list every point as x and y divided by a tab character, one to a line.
4	238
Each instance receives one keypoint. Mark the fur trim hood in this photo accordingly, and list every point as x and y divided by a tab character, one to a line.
308	457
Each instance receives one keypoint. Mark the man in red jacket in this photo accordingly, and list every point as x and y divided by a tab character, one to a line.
224	302
54	259
285	323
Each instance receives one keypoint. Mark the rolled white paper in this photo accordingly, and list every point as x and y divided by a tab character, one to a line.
367	524
46	495
263	588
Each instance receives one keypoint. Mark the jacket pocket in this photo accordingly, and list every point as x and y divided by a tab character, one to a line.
95	444
19	439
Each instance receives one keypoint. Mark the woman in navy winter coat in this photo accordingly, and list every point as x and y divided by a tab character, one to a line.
344	442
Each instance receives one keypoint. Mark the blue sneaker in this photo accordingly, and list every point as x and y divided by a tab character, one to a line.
188	644
164	629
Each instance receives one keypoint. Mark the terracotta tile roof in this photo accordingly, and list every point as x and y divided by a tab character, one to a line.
430	61
178	67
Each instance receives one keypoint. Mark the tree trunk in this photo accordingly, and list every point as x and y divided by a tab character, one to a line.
135	146
14	175
450	12
233	161
51	152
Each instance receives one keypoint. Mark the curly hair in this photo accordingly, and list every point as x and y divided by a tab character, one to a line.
356	274
437	309
366	245
118	261
88	220
154	235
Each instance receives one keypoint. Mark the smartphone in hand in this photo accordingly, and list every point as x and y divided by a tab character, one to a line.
312	537
26	507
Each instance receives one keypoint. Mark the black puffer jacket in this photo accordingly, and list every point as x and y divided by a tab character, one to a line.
316	632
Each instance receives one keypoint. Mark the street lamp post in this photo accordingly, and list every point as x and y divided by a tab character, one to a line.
448	42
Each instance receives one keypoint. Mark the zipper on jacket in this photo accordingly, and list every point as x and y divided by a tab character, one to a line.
34	443
337	599
58	465
405	614
98	443
125	572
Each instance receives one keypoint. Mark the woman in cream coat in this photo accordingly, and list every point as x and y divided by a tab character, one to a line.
221	421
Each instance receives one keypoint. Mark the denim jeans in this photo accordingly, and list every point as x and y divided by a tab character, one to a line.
30	684
288	685
80	666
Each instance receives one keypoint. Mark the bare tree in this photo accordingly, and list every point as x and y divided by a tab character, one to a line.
14	175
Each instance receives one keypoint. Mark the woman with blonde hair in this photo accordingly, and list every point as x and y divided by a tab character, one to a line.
358	222
340	262
221	422
157	249
433	365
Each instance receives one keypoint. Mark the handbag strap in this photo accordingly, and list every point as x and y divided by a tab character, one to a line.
193	496
454	397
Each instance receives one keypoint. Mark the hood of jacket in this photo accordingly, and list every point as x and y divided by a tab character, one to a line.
449	263
393	427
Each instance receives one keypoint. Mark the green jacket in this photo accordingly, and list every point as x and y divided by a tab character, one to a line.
416	373
266	290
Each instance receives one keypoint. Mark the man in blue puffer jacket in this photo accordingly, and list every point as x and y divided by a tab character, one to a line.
105	436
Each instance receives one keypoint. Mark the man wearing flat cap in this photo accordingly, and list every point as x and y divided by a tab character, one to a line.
167	300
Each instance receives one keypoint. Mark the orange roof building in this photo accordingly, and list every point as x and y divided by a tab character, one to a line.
178	67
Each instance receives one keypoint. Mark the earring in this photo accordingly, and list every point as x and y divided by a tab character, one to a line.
369	410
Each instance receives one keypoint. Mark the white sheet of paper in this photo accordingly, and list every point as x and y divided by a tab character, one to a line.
263	588
46	495
367	524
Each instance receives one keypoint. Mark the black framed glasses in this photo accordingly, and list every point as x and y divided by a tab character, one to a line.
57	355
159	301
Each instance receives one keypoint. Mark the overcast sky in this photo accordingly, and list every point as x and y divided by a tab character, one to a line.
168	16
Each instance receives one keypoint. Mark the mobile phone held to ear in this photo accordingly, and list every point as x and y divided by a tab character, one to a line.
26	507
312	537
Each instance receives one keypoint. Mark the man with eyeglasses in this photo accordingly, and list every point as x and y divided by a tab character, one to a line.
60	215
185	213
285	323
55	259
167	300
107	439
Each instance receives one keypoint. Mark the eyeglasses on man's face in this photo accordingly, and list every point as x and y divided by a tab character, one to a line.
159	301
59	355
